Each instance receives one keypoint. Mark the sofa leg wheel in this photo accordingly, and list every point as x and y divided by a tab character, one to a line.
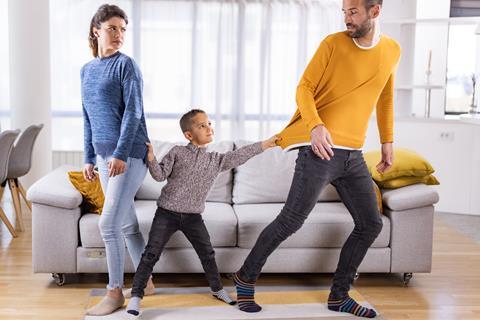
406	278
357	275
59	278
228	276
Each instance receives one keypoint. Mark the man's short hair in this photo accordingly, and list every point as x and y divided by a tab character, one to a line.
186	119
371	3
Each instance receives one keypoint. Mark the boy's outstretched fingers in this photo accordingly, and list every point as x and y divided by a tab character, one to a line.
270	142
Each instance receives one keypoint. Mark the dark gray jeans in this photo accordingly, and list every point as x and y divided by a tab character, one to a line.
164	225
346	171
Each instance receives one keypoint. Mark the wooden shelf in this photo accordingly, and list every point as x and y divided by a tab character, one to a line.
420	86
455	20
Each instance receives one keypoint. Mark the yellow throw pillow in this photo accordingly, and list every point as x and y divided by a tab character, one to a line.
378	193
406	181
91	191
406	163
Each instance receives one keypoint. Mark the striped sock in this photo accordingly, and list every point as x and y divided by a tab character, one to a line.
223	295
351	306
245	295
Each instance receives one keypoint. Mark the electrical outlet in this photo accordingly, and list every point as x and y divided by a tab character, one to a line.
96	254
447	136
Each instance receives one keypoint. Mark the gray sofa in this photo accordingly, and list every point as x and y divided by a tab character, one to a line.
241	203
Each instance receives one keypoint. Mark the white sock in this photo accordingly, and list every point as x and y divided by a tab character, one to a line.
223	295
134	306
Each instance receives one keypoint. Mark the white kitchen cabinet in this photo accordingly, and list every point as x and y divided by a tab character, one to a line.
453	149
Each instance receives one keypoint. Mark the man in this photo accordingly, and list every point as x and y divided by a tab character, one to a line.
351	73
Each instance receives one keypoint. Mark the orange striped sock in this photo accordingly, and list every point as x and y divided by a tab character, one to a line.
245	295
350	306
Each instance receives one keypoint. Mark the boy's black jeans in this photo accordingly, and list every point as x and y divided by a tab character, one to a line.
164	225
346	171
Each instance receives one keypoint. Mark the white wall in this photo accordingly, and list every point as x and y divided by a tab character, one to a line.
29	54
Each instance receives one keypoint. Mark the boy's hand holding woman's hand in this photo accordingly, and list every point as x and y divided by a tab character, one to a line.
150	155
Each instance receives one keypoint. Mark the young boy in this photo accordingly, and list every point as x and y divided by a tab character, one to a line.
190	172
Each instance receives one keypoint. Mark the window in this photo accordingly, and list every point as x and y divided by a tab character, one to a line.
462	65
4	66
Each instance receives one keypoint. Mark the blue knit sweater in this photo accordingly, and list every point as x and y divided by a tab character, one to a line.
112	99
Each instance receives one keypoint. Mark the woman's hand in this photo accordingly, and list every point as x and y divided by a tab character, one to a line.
88	172
270	143
116	167
150	155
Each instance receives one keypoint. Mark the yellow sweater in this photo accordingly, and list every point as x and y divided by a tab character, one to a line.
339	89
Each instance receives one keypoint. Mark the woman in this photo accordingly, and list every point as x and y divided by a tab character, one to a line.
114	136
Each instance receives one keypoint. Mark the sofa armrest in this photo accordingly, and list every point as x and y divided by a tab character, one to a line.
55	190
409	197
55	239
411	239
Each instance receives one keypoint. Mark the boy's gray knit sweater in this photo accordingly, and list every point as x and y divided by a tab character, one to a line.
191	171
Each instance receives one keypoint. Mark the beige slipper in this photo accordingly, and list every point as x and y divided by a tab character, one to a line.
106	306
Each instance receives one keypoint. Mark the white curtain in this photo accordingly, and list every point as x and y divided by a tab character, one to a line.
238	60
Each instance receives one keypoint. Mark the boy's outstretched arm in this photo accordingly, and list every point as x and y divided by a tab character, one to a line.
232	159
270	142
160	171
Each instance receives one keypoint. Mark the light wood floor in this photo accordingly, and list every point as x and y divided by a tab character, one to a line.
451	291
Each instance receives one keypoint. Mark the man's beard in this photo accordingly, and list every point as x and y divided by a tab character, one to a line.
360	30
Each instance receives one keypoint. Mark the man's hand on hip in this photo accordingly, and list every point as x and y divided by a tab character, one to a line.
387	158
321	142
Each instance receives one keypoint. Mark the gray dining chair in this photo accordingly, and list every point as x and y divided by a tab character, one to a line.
19	165
7	138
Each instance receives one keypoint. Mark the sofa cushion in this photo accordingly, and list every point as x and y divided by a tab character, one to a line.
407	163
221	190
219	218
91	191
400	182
327	226
266	178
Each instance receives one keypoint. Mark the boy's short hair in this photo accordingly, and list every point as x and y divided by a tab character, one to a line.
186	119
